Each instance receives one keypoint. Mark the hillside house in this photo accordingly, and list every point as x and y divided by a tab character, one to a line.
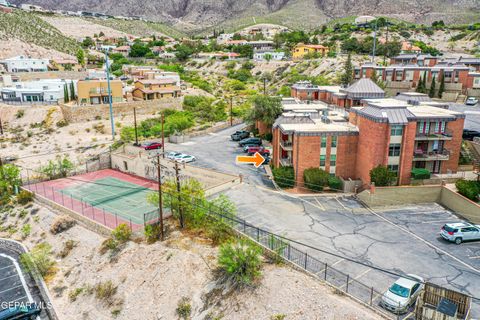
301	50
155	89
25	64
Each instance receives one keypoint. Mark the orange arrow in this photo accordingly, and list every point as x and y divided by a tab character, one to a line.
257	159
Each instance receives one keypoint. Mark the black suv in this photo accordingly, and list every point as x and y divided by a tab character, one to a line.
239	135
470	134
252	141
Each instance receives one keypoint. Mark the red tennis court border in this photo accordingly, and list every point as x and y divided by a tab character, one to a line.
51	191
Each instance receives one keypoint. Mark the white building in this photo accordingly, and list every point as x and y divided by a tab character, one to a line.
40	91
25	64
30	7
261	56
168	75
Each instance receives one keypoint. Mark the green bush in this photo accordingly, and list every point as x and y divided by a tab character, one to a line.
284	177
382	176
122	233
420	173
39	260
184	308
241	261
315	179
268	136
469	189
24	197
152	232
335	183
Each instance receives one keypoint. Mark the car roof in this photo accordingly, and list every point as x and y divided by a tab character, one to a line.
458	224
406	283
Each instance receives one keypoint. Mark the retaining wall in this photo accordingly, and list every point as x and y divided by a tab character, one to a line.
388	196
75	113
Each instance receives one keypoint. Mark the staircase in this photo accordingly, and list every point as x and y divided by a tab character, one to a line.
461	98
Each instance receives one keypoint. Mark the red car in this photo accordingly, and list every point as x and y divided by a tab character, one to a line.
152	145
259	149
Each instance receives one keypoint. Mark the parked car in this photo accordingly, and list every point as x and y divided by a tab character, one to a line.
259	149
248	145
30	311
172	154
470	134
471	101
239	135
459	232
402	294
152	145
185	158
252	141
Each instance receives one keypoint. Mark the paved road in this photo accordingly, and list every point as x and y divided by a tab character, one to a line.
16	286
403	240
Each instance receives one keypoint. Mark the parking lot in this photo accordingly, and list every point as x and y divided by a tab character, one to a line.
402	240
15	286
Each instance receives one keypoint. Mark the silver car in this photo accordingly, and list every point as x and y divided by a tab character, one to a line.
459	232
402	294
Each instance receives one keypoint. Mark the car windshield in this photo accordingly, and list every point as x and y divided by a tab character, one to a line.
399	290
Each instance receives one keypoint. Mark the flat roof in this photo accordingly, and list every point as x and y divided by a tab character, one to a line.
318	126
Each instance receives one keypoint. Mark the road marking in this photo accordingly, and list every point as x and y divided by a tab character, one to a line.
345	208
437	221
423	240
20	275
337	262
13	275
363	273
321	205
7	267
477	257
11	288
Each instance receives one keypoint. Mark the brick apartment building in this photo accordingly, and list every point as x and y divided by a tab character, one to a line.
388	132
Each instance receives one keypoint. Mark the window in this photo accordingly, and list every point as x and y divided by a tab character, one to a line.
409	75
324	142
394	150
334	142
396	130
322	161
476	82
399	75
393	167
333	160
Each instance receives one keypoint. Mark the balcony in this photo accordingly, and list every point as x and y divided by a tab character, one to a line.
286	162
447	135
420	155
286	145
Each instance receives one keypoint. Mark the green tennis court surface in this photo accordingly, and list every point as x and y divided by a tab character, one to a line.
125	199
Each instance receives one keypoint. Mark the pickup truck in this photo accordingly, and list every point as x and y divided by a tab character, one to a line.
239	135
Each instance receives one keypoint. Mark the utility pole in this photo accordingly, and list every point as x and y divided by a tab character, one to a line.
386	52
231	111
135	124
163	136
160	200
180	209
1	126
107	67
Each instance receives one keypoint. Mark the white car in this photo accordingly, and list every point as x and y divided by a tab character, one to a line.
172	155
402	294
185	158
471	101
459	232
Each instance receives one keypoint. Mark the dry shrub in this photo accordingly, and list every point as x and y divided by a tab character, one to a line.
61	224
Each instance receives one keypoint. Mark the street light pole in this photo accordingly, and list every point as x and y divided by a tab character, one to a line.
135	124
109	94
163	136
231	111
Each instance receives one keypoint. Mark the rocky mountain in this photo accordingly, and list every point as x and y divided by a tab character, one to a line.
199	14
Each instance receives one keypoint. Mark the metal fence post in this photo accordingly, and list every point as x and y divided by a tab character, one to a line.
53	195
116	220
71	201
306	259
93	212
288	254
371	296
325	277
258	235
104	219
81	202
244	226
348	280
131	229
63	200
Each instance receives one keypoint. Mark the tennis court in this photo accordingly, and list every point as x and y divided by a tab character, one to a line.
125	199
106	196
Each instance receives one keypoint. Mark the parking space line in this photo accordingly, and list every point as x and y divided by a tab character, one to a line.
7	267
321	205
20	275
11	288
13	275
345	208
19	298
362	274
337	262
475	257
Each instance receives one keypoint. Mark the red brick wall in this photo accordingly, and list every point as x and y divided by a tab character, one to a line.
262	127
454	145
406	153
346	156
276	147
463	78
306	154
372	149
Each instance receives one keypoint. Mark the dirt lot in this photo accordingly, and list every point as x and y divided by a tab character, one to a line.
165	272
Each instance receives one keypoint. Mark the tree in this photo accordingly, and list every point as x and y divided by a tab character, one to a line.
441	89
65	93
72	91
420	85
9	178
240	261
81	57
183	52
431	93
377	80
88	42
347	75
268	57
382	176
138	49
266	109
39	261
58	168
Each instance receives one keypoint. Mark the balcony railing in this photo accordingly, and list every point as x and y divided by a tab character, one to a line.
420	155
286	145
286	162
447	135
